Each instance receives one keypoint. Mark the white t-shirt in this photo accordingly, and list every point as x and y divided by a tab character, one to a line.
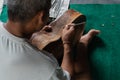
20	61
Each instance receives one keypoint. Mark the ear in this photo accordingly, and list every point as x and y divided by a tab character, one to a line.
40	16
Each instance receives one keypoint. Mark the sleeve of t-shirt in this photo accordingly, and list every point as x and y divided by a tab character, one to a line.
60	74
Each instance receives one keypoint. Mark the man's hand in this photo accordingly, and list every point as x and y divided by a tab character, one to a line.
82	68
67	38
68	34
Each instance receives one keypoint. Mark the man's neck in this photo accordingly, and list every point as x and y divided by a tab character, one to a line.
14	28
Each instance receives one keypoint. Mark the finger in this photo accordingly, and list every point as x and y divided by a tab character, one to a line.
66	27
47	28
93	32
71	24
72	28
86	39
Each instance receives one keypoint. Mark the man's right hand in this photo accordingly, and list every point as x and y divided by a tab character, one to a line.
67	38
68	33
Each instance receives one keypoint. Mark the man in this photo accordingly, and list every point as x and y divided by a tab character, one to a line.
19	60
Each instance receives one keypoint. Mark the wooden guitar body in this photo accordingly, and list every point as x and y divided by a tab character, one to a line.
51	41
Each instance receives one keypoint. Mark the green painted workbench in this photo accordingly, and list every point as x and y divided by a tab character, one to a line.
104	51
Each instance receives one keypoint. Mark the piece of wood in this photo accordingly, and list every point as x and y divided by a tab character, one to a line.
51	41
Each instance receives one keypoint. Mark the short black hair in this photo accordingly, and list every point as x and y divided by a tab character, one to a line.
25	10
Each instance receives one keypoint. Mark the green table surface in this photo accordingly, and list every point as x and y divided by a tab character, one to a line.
104	51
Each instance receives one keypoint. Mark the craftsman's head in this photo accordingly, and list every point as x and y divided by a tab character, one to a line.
32	14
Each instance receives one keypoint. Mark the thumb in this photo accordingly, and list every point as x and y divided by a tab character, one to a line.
47	28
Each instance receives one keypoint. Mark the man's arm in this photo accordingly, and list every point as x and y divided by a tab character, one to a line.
67	63
67	38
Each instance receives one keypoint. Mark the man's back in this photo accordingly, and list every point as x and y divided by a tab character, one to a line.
20	61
